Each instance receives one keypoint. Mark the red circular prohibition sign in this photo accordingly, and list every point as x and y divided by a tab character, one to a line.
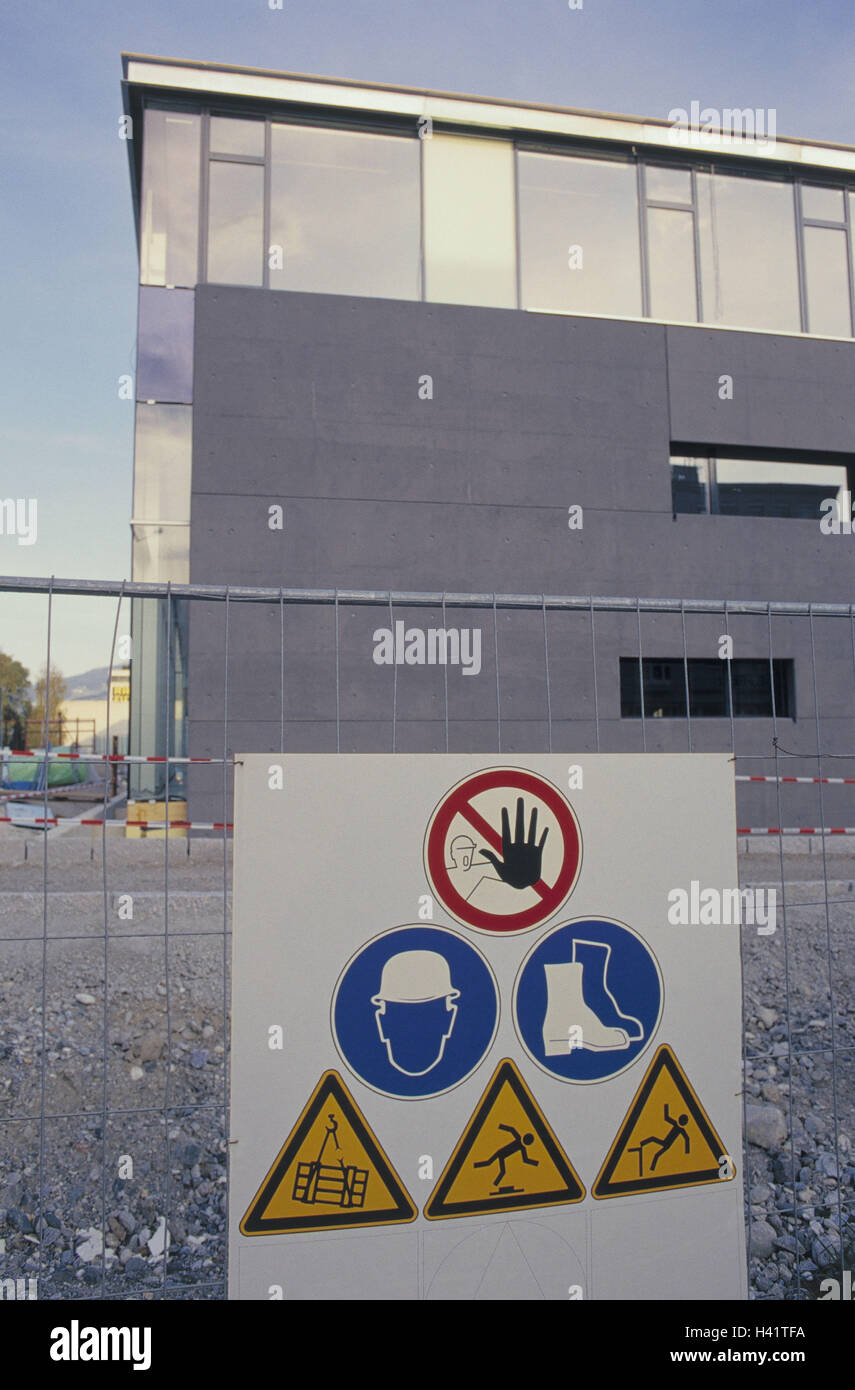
459	800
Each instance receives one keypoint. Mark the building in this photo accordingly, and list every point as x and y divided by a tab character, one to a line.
481	346
90	718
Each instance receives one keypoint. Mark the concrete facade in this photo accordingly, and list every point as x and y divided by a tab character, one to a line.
313	402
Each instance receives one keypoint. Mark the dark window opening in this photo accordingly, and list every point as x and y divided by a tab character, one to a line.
710	682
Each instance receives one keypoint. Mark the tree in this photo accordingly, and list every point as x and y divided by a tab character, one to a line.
14	701
56	695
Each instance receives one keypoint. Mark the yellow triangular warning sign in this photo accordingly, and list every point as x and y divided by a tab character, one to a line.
666	1139
331	1173
507	1158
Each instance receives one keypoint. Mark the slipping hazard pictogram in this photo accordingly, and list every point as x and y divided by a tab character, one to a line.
507	1158
503	850
331	1173
666	1140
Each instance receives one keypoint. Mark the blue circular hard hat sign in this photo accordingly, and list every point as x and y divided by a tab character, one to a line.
588	1000
415	1011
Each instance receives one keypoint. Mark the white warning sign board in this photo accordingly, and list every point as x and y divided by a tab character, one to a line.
476	1053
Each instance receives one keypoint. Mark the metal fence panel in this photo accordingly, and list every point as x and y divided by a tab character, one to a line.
115	987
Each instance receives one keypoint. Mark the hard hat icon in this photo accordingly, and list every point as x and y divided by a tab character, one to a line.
415	977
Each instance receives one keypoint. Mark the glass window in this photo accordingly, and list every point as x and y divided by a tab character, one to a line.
169	211
827	279
824	204
469	221
754	487
689	485
345	210
229	136
165	345
760	487
162	463
579	235
668	185
671	260
579	244
710	682
235	223
749	272
161	554
752	689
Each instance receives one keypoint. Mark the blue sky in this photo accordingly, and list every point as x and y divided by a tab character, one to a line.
68	297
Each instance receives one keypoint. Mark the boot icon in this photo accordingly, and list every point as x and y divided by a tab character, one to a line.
578	998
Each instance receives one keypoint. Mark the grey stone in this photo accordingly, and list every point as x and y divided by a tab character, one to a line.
762	1240
199	1057
19	1221
151	1047
826	1164
765	1126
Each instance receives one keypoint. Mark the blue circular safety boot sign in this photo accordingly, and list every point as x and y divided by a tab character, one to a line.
415	1011
588	1000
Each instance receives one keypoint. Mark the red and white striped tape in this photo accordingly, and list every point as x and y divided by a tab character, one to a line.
795	830
36	820
110	757
143	824
229	825
162	758
836	781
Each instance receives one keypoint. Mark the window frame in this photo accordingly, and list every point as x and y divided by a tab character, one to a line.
642	157
803	221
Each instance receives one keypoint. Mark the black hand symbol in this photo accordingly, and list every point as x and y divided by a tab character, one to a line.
519	866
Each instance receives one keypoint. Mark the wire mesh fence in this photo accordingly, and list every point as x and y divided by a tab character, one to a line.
115	922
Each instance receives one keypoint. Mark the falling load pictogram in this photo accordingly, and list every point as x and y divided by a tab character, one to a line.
330	1174
326	1184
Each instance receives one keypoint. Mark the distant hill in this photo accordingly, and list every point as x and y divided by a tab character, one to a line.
89	685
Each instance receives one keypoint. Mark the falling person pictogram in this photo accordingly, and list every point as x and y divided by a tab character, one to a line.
517	1145
328	1184
676	1131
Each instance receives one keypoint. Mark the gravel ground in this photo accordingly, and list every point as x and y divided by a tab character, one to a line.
158	1188
801	1218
